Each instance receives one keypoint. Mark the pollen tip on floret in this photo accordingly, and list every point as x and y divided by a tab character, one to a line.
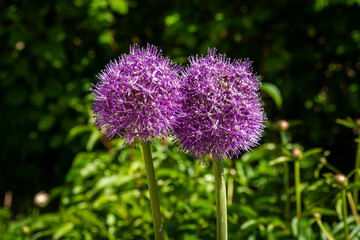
212	52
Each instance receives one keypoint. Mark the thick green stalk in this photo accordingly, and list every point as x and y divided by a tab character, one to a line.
345	214
298	192
154	201
357	175
221	208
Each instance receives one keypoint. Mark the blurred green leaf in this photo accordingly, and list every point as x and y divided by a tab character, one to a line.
348	122
4	213
77	130
169	172
119	6
355	233
273	91
94	136
248	211
63	230
324	211
112	181
311	152
279	160
338	208
353	186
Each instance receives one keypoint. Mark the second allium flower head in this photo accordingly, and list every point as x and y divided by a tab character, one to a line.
138	95
221	109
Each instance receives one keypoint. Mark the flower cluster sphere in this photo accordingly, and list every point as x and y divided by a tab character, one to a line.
222	114
137	95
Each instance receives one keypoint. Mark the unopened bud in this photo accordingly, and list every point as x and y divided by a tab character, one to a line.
341	178
358	122
296	153
19	46
232	171
317	215
284	125
322	160
41	199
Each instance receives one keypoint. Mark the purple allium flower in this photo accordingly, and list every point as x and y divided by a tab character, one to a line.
221	111
138	95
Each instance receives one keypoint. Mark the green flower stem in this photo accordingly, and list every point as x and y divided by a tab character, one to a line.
286	189
284	142
353	208
357	175
332	168
345	214
221	208
297	192
154	201
36	212
323	229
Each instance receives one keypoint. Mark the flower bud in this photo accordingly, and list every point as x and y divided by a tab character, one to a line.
41	199
284	125
232	172
341	178
322	160
317	215
358	122
296	153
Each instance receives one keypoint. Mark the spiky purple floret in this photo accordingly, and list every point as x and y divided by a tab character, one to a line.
221	112
137	95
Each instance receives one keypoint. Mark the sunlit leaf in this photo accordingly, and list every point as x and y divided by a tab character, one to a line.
273	91
348	122
63	230
280	160
77	130
94	136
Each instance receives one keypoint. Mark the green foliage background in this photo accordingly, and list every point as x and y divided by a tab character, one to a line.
51	52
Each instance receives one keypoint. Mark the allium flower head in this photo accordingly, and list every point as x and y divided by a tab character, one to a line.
137	95
221	112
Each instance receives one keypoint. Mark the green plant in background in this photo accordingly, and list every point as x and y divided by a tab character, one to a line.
104	197
301	159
